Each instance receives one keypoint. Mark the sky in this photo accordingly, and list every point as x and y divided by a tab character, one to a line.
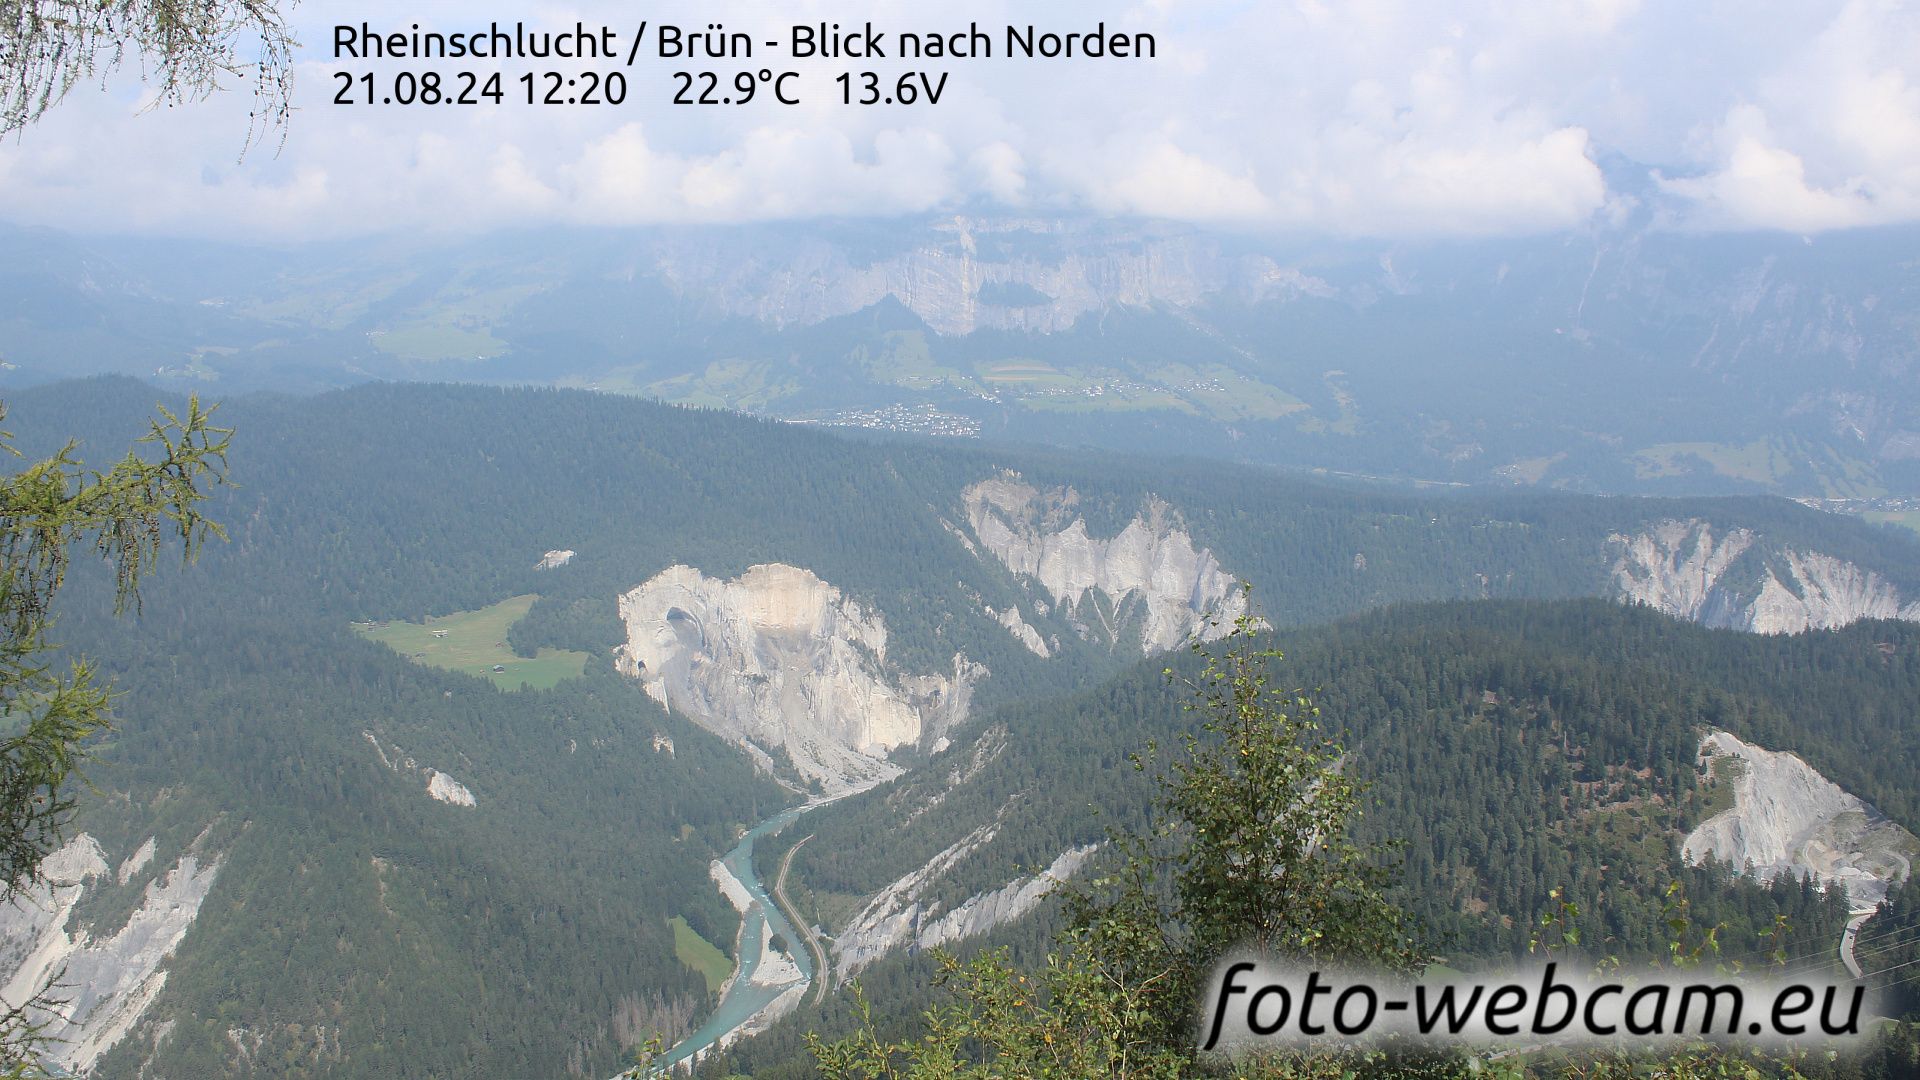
1363	118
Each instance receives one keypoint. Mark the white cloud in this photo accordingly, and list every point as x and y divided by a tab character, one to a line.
1759	183
999	171
1381	117
1828	139
619	177
1155	178
517	186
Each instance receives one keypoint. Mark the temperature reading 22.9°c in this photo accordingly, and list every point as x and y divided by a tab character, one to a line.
706	88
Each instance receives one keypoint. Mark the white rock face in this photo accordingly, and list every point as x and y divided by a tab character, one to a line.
945	701
730	887
981	912
1021	630
1788	819
107	983
136	862
775	968
1821	591
439	785
1683	569
1151	576
779	659
897	918
1676	567
554	560
891	918
447	789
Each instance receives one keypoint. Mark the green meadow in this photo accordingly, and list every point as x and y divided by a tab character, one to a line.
475	643
700	954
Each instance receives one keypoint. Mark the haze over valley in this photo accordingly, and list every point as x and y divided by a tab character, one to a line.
741	553
1622	358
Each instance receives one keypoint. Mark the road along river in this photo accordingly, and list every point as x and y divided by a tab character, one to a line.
744	997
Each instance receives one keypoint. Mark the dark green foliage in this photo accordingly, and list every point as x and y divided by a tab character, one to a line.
1888	951
1257	857
1513	748
524	936
415	934
1260	804
1250	850
50	511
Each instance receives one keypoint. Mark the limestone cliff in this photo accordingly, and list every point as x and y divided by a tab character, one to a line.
1022	631
448	790
1787	818
900	916
1151	578
778	660
1733	580
439	785
107	982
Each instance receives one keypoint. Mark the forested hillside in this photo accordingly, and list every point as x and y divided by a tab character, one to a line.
1513	748
420	873
405	500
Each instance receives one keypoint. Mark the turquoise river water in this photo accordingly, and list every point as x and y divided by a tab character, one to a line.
742	998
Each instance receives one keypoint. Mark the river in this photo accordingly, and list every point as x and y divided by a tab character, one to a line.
743	998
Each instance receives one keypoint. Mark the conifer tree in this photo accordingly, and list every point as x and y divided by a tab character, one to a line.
51	510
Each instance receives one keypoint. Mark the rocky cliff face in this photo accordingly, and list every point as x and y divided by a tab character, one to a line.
448	790
777	660
107	982
1151	577
1022	631
439	785
1732	580
900	917
1787	818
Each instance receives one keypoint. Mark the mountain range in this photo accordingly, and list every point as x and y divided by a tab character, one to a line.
1627	358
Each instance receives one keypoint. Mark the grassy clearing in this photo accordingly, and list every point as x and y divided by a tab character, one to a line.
474	642
1348	422
1226	394
1906	518
1013	373
456	323
328	301
903	358
438	341
1758	462
1768	462
1111	401
747	385
700	954
1533	470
